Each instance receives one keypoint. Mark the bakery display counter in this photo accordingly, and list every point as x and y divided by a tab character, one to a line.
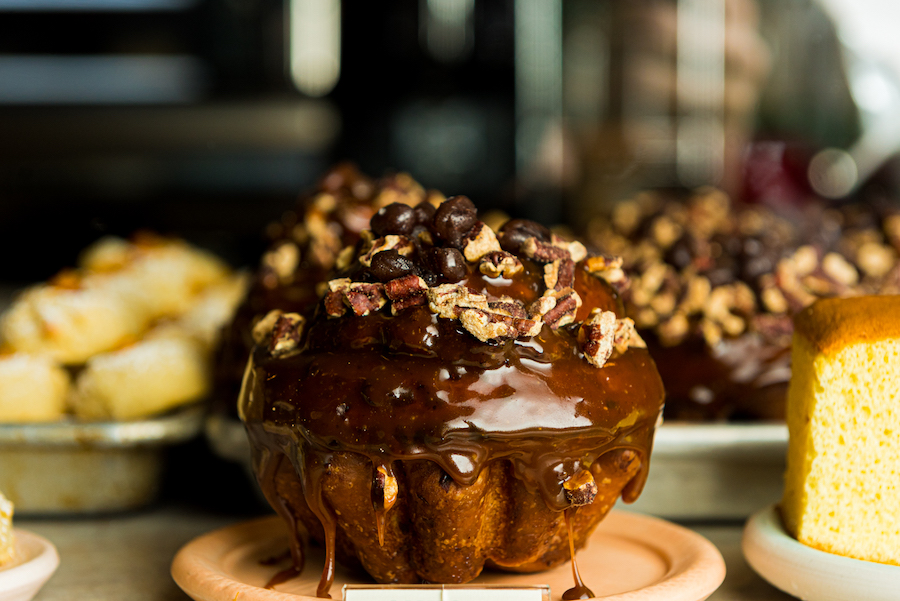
111	558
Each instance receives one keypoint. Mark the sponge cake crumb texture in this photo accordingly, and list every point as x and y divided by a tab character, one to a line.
842	493
6	534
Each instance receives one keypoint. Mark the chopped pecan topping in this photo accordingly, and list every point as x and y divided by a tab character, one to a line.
626	336
724	304
581	489
597	336
559	274
448	300
345	258
480	241
488	325
876	260
325	238
286	333
839	269
283	261
543	252
577	251
497	263
674	330
509	306
401	244
361	297
280	331
407	291
773	299
334	297
263	327
609	269
364	298
556	308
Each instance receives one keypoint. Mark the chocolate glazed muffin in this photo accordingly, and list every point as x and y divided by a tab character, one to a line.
457	401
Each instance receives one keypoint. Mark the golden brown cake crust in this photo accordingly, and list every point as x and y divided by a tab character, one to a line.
833	323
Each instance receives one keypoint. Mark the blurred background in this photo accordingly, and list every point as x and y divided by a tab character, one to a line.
206	118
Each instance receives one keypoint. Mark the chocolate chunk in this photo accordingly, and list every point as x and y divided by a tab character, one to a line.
515	232
448	262
454	219
390	264
424	213
396	218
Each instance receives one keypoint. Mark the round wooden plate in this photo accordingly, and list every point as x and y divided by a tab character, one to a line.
629	557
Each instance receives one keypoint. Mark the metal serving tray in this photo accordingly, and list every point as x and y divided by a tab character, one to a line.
719	471
71	467
698	471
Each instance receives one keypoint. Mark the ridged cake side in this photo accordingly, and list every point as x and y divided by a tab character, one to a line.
425	534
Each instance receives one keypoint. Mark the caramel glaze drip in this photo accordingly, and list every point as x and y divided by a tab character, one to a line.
420	387
579	591
267	466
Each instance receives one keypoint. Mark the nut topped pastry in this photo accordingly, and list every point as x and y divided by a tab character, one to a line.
458	399
714	285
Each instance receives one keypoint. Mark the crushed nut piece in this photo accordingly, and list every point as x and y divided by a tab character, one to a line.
401	244
345	258
674	330
361	297
597	336
447	300
263	327
556	308
494	325
543	252
839	269
665	231
407	291
805	260
364	298
610	269
497	263
773	300
712	333
283	261
627	336
480	241
698	290
286	333
577	251
581	489
876	259
559	274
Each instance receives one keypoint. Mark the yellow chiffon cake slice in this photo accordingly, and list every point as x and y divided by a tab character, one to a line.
842	486
6	534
